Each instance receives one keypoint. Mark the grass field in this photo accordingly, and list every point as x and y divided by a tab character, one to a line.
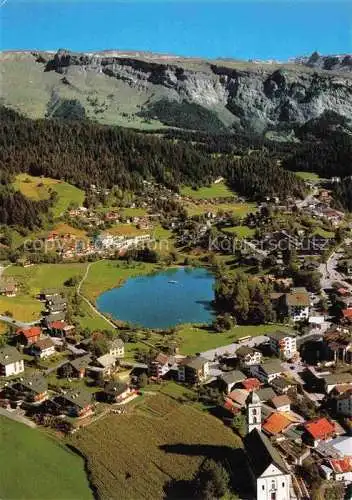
38	188
219	190
126	230
62	228
308	176
107	274
195	339
241	231
133	212
32	280
134	456
319	231
23	308
238	209
35	467
92	320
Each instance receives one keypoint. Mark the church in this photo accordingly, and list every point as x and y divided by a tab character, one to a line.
270	476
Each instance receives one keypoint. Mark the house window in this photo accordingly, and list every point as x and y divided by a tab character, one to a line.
263	487
283	485
273	496
273	485
254	420
254	411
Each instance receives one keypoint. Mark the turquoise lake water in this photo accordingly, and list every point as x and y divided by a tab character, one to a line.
155	301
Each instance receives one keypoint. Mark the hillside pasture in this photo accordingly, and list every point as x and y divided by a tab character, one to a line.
39	188
237	209
135	455
33	466
218	190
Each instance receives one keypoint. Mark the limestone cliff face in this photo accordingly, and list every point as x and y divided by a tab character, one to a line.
258	96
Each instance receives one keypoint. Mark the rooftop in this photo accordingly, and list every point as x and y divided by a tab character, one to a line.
279	401
320	428
261	453
8	355
297	297
36	383
271	367
34	331
276	423
44	344
233	377
281	335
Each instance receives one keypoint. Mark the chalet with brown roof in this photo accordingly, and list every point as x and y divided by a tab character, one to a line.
281	403
44	348
160	366
76	403
75	368
193	370
60	329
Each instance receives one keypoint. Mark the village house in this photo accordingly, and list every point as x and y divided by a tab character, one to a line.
267	371
251	384
28	336
283	385
116	348
11	361
297	304
266	394
193	370
331	380
76	403
281	403
248	356
42	349
283	344
344	403
338	469
48	294
57	303
318	430
75	368
116	391
160	365
33	389
60	329
105	364
228	380
53	318
8	287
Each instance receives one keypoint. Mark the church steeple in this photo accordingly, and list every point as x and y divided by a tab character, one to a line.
254	412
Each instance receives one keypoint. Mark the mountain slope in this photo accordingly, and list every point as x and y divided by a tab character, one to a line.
151	91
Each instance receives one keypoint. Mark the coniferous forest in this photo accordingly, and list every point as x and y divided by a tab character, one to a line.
84	153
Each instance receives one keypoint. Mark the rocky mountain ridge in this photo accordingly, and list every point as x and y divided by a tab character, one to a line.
152	90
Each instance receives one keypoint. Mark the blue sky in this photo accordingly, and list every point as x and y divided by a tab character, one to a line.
276	29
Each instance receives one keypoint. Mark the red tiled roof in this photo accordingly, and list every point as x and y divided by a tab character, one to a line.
34	331
251	384
276	423
320	428
58	325
342	464
347	313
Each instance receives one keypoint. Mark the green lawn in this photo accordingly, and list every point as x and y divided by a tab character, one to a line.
39	276
241	231
238	209
219	190
319	231
33	466
107	274
308	176
38	188
25	306
92	320
133	212
195	339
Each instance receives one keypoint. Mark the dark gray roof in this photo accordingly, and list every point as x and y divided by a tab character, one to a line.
8	355
244	351
271	367
36	384
266	394
81	362
115	387
261	453
80	398
50	318
281	335
233	377
195	363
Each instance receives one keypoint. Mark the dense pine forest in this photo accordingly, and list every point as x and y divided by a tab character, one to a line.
83	153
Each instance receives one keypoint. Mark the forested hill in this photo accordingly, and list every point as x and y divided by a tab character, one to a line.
85	153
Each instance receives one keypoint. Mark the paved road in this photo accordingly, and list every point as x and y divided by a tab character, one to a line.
330	273
86	300
18	324
13	415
